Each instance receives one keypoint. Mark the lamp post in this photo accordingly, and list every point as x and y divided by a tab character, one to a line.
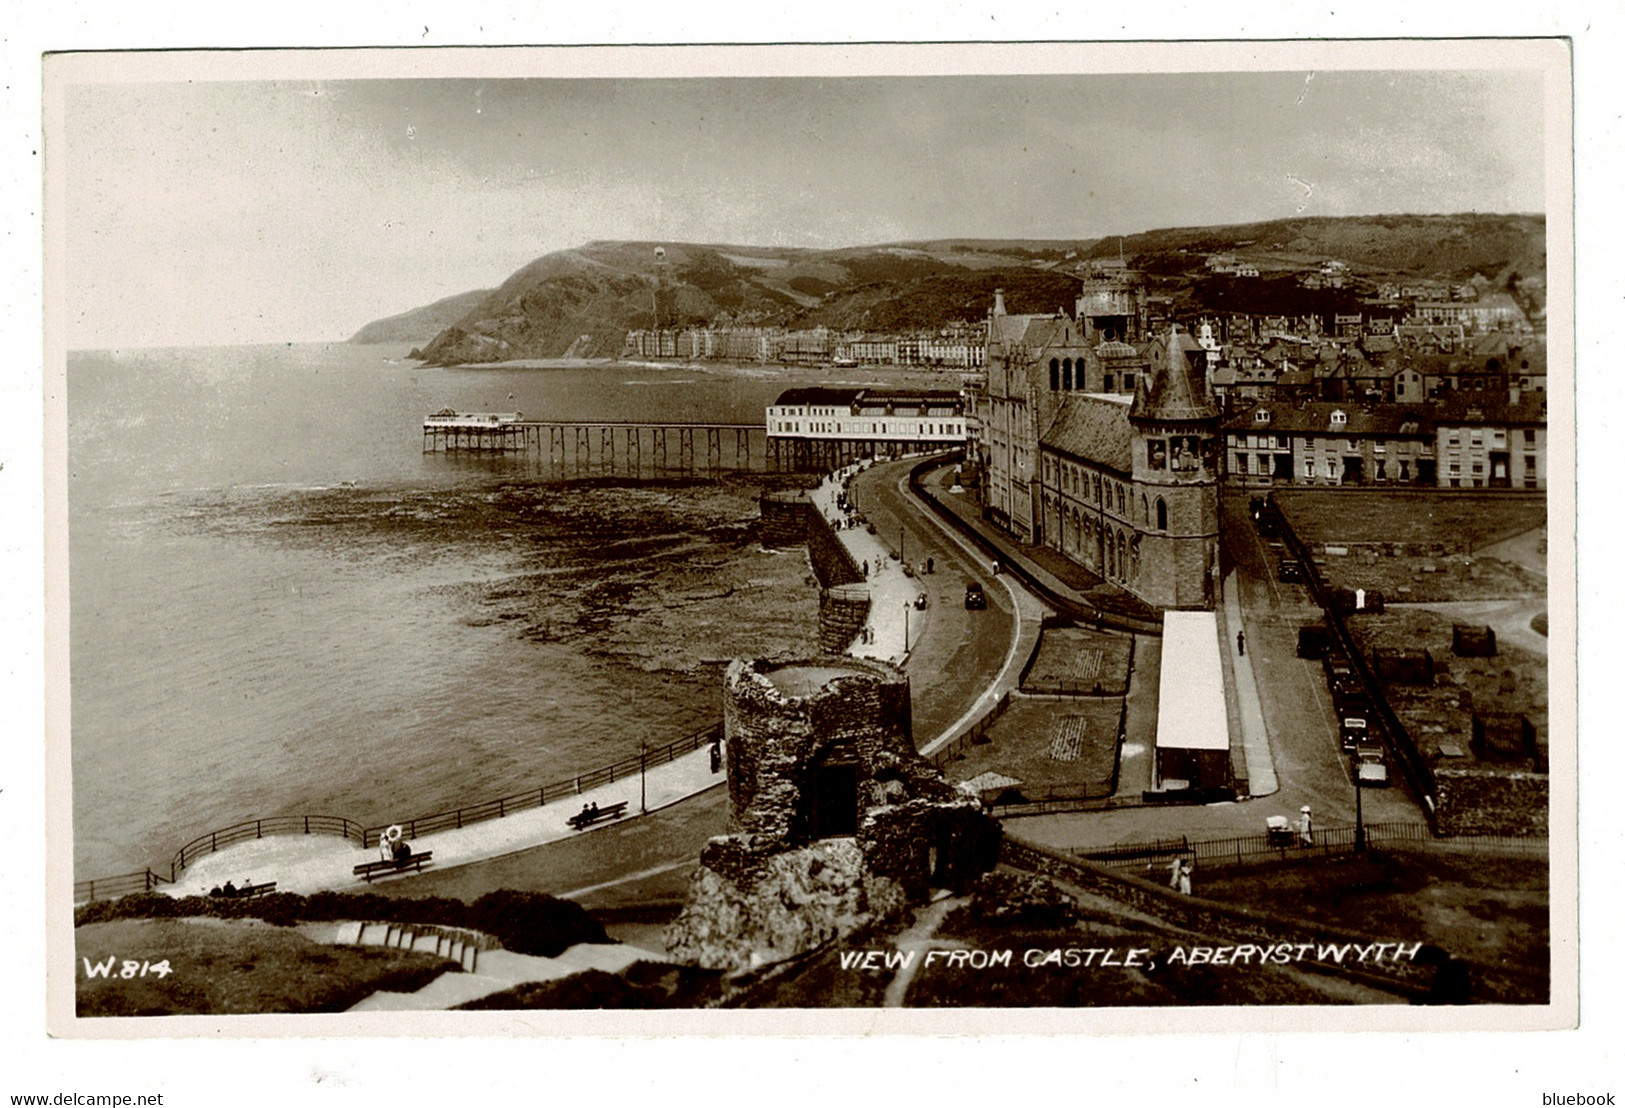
1359	813
643	776
901	535
905	626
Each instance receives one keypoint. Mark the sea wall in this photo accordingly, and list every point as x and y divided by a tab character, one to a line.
789	518
831	562
842	613
783	518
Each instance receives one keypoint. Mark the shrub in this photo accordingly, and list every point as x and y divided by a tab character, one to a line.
534	923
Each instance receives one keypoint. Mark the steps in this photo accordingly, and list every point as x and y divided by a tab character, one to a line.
497	970
453	943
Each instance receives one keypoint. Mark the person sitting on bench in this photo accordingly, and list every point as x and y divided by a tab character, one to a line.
400	852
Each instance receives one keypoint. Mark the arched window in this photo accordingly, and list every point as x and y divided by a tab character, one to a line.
1054	374
1122	561
1122	501
1066	374
1145	512
1162	514
1111	558
1097	488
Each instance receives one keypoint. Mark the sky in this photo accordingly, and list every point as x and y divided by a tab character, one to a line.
218	211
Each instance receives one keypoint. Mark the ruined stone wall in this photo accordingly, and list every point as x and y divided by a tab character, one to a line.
771	888
775	737
1488	802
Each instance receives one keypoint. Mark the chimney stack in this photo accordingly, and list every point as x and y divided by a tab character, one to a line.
998	301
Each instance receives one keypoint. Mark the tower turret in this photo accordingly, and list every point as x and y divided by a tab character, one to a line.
1175	433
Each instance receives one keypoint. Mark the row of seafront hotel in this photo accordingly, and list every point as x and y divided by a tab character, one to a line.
957	347
1107	441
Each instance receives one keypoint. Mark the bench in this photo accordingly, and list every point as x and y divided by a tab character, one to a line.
584	820
383	868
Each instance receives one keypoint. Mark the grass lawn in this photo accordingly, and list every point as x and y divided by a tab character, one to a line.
1073	658
1026	740
221	967
1491	911
1462	522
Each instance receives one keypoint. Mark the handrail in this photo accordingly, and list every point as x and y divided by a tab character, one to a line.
124	884
257	829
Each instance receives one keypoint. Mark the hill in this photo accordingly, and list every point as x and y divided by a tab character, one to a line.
581	302
1447	247
421	324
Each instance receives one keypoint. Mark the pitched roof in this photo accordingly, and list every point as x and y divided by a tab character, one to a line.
1168	390
1316	419
1012	330
1093	427
823	397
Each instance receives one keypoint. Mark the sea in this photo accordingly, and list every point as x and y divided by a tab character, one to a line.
280	604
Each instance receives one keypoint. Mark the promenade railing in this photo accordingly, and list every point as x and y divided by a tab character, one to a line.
541	795
148	880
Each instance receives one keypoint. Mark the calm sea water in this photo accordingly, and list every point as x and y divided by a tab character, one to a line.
281	605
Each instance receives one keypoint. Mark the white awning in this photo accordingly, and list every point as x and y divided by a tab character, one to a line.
1190	697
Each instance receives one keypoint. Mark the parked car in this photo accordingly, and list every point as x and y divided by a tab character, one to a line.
975	598
1314	641
1370	766
1354	731
1289	569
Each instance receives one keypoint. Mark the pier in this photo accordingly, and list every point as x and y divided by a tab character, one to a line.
631	448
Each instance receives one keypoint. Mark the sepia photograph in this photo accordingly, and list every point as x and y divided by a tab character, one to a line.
895	538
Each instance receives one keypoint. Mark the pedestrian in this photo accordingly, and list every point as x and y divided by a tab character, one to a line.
866	567
1305	827
1241	642
930	565
1174	869
1185	869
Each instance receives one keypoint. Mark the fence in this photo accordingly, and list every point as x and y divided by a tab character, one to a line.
1254	849
973	736
540	795
142	881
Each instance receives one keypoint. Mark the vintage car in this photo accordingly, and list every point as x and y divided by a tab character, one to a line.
1370	766
1354	731
975	598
